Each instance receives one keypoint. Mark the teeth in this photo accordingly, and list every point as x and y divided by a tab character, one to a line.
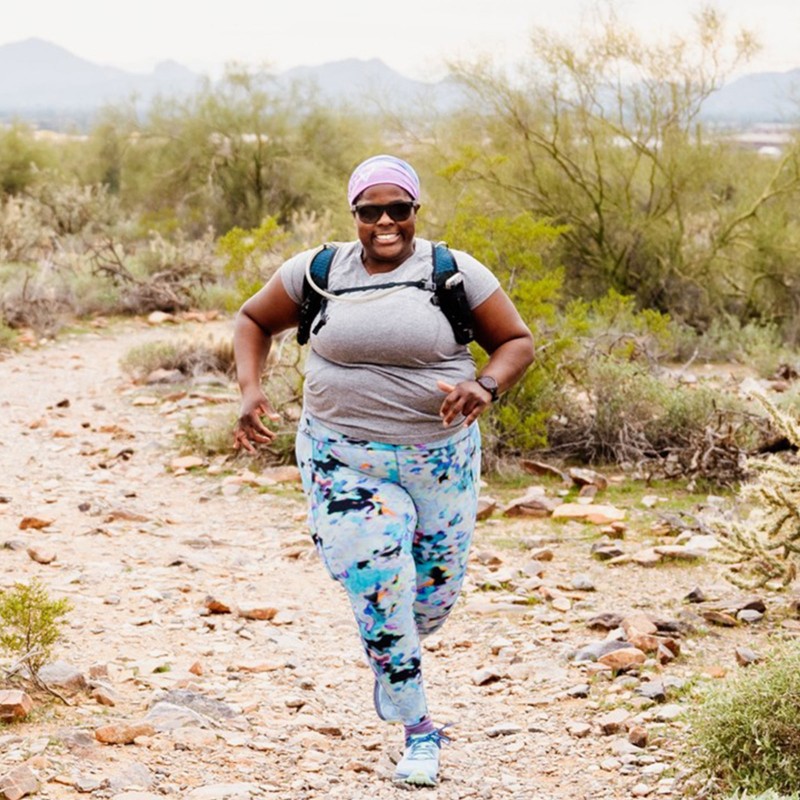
386	236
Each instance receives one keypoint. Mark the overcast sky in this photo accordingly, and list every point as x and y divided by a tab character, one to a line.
415	37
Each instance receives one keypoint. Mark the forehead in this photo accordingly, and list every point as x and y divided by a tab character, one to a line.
382	193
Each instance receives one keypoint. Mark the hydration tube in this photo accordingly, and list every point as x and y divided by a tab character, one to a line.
362	297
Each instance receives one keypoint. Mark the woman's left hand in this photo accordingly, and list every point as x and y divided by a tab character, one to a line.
468	398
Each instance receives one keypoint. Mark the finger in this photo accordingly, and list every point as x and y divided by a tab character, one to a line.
445	387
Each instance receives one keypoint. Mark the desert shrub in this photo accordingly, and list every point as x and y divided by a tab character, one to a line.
190	358
8	337
31	624
745	731
630	416
762	547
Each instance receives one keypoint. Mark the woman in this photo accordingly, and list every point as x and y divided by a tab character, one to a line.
388	444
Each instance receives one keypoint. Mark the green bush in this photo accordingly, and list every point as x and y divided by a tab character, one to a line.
190	358
745	732
31	623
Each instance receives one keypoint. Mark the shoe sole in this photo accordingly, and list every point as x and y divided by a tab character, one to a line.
415	779
376	703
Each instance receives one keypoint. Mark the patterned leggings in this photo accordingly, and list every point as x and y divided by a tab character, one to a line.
393	525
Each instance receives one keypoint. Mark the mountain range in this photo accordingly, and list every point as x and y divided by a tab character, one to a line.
47	85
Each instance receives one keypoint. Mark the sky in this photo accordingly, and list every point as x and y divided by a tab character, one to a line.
415	37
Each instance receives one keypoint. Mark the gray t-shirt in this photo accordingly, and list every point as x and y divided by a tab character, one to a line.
372	368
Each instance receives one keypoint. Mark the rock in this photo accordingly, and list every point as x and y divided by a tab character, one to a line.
587	477
14	705
541	468
582	583
596	650
623	659
679	552
254	610
18	783
579	729
485	676
35	523
105	695
486	507
697	595
642	790
638	736
182	463
745	656
719	618
606	621
613	721
669	713
581	690
216	606
638	623
653	690
595	514
647	558
123	733
606	550
532	504
287	474
63	676
160	317
42	555
749	616
503	729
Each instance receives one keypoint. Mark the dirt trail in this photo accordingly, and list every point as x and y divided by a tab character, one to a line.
138	551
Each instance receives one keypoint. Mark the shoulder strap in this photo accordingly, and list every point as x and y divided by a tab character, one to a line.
313	302
450	293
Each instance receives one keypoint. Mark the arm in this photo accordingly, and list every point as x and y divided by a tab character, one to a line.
266	313
500	331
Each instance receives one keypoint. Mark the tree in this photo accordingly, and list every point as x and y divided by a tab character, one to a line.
601	132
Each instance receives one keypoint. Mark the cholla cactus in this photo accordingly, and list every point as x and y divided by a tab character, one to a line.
762	548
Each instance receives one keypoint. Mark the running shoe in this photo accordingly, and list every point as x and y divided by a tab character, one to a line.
384	706
419	765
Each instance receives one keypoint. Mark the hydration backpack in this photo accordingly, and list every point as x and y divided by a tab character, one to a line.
448	292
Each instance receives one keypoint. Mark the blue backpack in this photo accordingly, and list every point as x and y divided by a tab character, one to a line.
448	293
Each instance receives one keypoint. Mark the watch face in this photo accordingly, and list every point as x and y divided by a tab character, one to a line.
490	384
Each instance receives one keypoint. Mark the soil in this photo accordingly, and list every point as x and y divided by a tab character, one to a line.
139	548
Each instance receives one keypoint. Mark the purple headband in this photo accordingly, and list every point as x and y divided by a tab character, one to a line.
382	169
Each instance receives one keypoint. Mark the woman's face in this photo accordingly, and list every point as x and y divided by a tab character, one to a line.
386	243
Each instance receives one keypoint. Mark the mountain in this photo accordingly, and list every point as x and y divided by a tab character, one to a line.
51	87
758	97
37	75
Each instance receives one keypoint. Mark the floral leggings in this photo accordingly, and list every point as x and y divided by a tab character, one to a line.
393	525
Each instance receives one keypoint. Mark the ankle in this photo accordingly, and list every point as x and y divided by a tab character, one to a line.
424	726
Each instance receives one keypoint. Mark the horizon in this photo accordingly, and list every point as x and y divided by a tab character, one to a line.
423	40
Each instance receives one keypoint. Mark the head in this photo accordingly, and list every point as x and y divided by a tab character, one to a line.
384	196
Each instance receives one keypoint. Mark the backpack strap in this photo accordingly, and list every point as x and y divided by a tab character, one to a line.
450	294
314	303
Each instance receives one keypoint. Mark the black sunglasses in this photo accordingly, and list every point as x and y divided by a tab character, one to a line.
399	211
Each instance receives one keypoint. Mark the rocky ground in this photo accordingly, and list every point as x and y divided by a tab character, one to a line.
207	654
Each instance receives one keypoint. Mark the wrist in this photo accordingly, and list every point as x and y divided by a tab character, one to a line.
488	383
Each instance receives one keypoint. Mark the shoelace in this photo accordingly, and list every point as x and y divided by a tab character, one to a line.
425	745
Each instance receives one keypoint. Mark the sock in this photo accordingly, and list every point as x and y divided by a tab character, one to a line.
425	726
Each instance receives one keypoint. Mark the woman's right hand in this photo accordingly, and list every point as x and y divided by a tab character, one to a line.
249	430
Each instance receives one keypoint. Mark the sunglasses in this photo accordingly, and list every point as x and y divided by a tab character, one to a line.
398	212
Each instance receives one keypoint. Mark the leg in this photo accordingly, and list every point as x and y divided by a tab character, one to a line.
363	528
445	494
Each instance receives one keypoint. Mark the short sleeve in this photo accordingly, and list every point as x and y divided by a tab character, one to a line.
292	273
479	282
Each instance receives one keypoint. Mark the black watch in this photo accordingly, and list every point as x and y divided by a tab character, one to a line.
490	384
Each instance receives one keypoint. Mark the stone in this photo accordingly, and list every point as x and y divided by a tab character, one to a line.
186	462
35	523
216	606
596	650
637	736
605	551
669	713
647	558
749	616
123	733
486	507
697	595
653	690
745	656
541	468
14	705
63	676
503	729
255	610
18	783
286	474
638	623
580	690
623	659
613	721
582	583
719	618
606	621
579	730
594	514
485	676
42	555
587	477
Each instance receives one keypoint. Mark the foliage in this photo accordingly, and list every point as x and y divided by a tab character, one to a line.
744	731
189	357
600	131
21	156
31	623
763	548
